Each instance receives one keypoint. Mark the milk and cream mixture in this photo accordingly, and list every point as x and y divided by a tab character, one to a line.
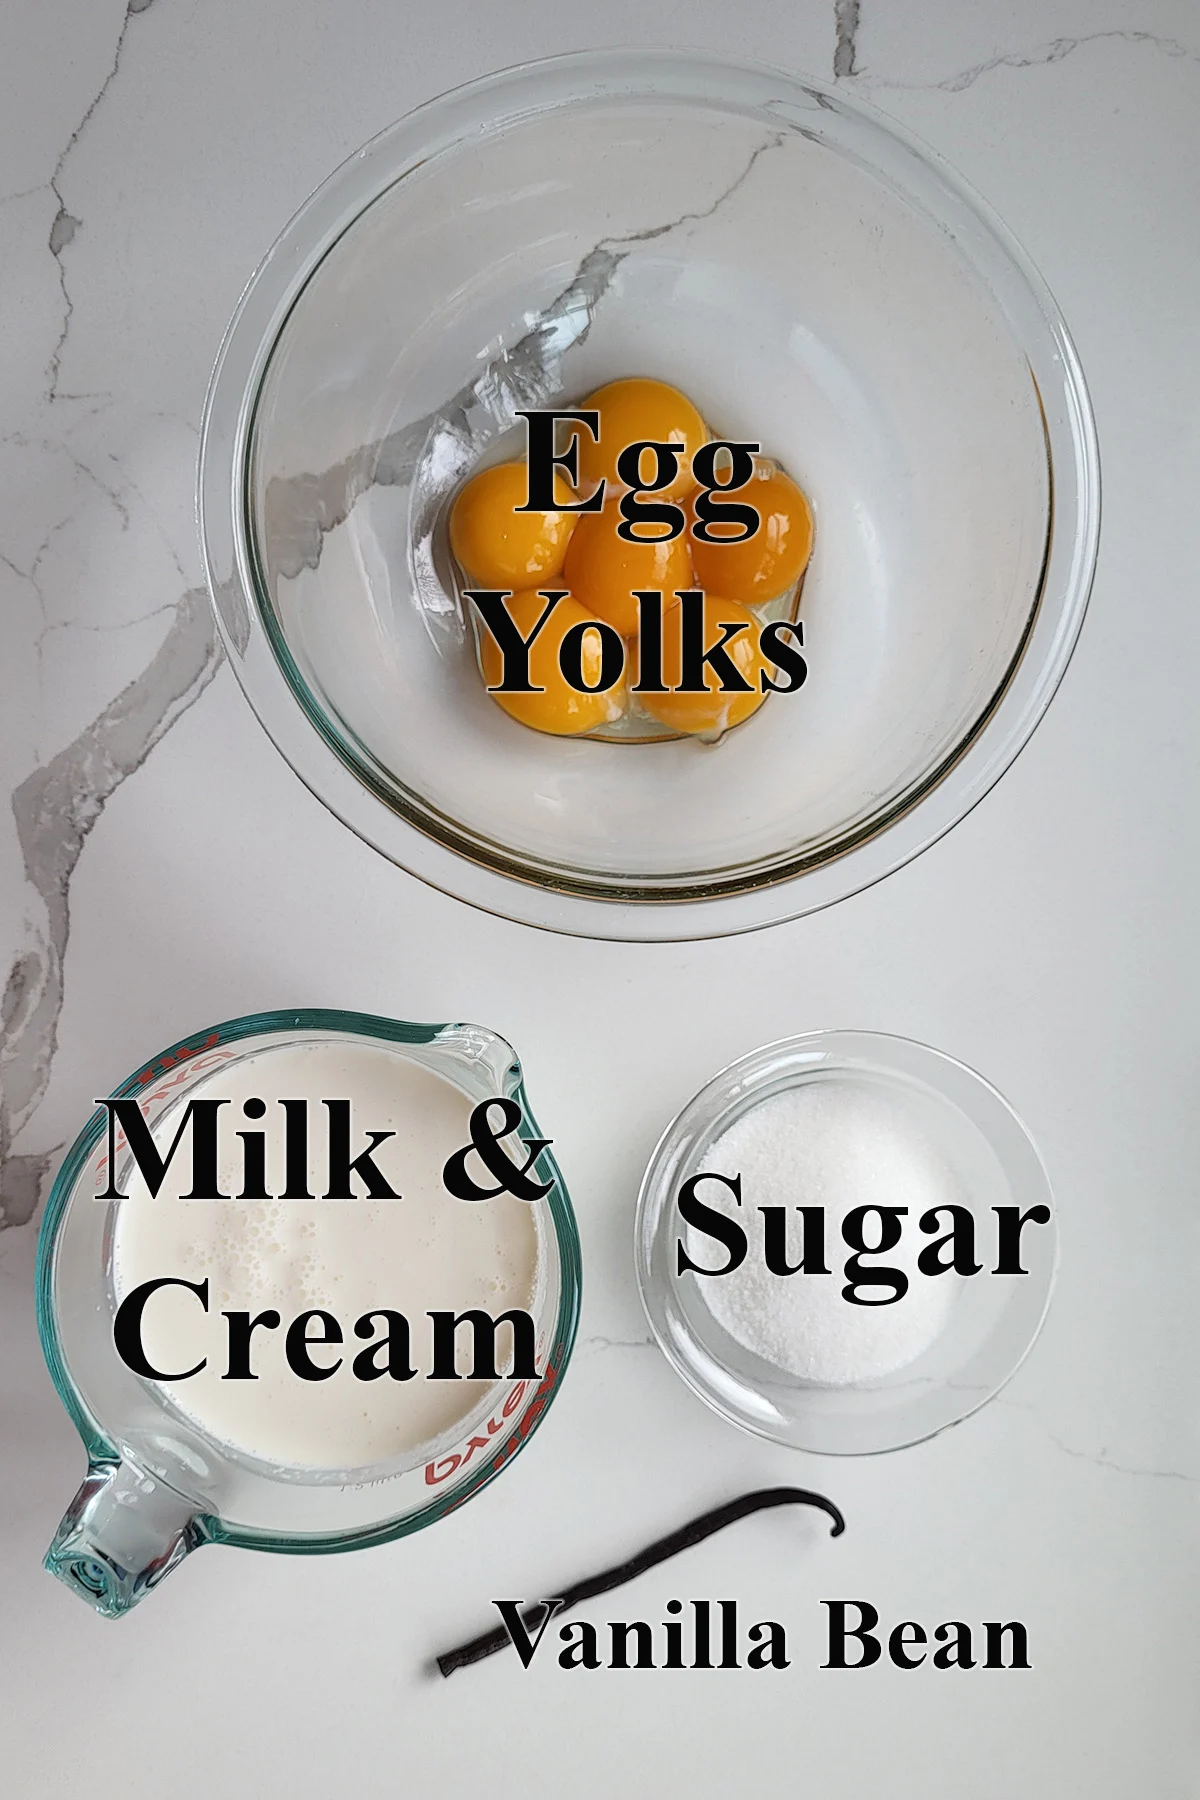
425	1251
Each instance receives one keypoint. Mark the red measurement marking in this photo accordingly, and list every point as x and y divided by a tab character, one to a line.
196	1060
443	1467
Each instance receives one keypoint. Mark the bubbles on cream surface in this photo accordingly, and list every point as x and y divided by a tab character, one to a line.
425	1251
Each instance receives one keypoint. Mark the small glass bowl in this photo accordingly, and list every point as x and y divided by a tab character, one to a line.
993	1320
815	280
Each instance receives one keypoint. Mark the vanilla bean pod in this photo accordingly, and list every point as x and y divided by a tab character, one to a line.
675	1541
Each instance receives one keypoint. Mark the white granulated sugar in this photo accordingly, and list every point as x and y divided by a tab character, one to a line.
837	1144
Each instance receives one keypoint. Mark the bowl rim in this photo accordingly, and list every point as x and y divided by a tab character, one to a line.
653	1197
448	857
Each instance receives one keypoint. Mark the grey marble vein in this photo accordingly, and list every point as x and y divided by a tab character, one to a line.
62	230
65	225
845	46
55	808
1100	1458
301	510
1052	52
22	440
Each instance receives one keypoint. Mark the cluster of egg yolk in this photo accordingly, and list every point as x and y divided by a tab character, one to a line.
501	546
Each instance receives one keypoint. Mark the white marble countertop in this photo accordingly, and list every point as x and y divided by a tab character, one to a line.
161	868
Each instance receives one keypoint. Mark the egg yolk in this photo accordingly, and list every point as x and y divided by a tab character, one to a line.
712	712
761	567
500	547
559	709
603	570
634	411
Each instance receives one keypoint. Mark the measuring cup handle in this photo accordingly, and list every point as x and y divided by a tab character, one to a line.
121	1534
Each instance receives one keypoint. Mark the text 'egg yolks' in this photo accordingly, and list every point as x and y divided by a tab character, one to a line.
559	709
712	712
763	566
603	570
636	411
499	546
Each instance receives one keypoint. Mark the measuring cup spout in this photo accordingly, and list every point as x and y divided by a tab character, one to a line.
121	1534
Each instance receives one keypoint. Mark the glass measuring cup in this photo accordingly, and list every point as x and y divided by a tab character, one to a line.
157	1486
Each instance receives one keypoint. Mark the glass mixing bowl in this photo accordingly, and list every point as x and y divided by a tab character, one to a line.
815	280
992	1320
